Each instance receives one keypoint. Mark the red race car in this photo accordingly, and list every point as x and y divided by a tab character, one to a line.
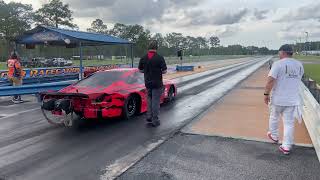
104	94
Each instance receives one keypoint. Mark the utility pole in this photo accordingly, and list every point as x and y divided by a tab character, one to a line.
306	44
300	44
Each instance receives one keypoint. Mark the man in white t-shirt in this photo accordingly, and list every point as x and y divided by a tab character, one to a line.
283	84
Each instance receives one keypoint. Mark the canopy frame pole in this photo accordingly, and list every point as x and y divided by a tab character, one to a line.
81	65
131	55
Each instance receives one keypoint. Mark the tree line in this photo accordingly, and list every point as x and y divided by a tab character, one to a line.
171	42
16	18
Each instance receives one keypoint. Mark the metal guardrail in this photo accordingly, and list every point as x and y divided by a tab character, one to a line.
311	117
46	79
34	89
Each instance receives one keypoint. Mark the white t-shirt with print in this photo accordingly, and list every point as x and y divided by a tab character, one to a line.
288	73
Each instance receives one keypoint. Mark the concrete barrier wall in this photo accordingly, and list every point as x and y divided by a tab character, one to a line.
311	117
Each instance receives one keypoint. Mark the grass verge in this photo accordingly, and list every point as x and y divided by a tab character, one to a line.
313	71
307	58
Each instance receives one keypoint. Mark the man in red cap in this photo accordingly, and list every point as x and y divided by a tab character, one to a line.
153	66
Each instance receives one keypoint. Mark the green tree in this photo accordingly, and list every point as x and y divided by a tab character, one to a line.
214	41
202	42
15	18
141	44
160	39
192	45
174	40
118	30
98	26
55	13
133	32
138	35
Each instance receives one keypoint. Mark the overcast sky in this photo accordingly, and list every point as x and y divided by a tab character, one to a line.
247	22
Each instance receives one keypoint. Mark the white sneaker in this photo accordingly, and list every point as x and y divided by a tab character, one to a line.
284	150
17	101
272	138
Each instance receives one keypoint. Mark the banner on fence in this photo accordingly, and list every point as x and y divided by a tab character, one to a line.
42	72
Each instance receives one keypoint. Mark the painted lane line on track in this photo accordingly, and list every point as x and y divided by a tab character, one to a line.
18	113
123	164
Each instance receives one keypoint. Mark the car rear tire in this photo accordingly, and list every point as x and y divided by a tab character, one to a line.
130	107
77	121
56	122
171	95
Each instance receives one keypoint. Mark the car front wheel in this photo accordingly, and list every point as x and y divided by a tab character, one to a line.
171	95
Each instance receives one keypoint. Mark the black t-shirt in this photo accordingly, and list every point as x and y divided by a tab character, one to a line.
153	69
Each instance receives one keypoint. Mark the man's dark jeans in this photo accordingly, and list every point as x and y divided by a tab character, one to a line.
154	104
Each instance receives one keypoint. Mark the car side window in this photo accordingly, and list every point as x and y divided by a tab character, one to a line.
140	78
132	79
136	78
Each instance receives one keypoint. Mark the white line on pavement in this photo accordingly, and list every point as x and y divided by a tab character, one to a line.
123	164
18	113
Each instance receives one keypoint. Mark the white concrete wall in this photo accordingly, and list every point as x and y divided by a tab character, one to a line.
311	117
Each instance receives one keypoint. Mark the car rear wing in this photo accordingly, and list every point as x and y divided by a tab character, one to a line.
64	95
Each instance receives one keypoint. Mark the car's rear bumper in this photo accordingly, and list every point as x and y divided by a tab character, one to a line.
94	113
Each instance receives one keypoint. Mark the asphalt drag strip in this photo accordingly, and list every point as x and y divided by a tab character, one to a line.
190	157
